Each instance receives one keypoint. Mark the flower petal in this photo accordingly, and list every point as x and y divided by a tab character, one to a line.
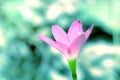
76	45
48	40
62	48
88	32
75	27
60	35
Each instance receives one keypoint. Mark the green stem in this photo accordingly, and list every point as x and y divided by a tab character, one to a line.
72	64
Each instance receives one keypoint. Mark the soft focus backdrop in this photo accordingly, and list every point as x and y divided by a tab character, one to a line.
24	57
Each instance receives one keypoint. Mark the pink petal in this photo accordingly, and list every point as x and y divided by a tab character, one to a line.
59	46
88	32
48	40
76	45
60	35
62	47
75	27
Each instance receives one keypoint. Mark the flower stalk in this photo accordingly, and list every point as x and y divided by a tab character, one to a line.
72	64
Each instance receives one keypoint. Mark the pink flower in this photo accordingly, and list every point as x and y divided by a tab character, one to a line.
68	44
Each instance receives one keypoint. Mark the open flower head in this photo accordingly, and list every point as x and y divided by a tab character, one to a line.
69	44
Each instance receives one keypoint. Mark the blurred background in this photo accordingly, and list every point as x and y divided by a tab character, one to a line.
24	57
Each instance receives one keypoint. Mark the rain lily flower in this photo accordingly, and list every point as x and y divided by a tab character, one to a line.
69	44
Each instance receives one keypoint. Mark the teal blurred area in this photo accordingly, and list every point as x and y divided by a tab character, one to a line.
24	57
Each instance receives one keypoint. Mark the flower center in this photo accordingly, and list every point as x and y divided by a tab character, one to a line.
69	51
